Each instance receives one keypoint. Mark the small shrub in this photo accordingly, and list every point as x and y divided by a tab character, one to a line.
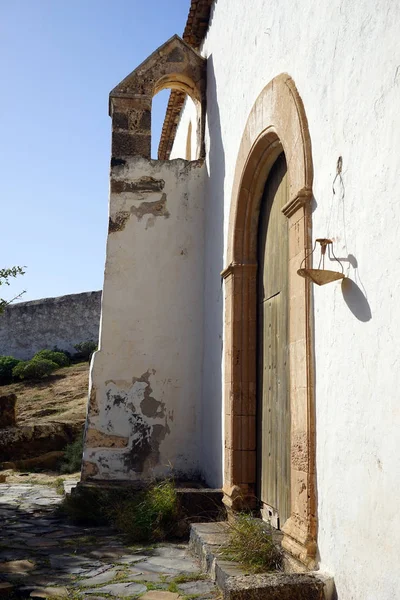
72	457
7	364
84	350
151	514
251	543
59	358
146	515
67	354
34	369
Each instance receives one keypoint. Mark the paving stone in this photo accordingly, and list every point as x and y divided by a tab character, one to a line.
128	559
49	592
45	501
160	595
105	577
196	587
98	570
109	552
5	589
31	530
75	565
183	565
172	551
120	590
45	580
154	568
17	566
138	575
36	542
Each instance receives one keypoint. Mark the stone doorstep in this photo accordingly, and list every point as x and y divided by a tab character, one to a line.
205	541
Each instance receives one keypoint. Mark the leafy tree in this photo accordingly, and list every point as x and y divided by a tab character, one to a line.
5	276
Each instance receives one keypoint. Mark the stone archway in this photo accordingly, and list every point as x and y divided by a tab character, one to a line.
174	65
277	122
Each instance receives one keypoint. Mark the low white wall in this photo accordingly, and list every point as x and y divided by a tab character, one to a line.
146	378
344	59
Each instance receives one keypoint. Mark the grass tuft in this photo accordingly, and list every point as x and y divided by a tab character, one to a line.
59	485
72	457
147	515
251	543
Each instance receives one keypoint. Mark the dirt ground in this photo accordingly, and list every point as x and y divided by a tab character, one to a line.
44	478
60	397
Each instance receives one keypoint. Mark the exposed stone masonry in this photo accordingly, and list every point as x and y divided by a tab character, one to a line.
195	31
175	64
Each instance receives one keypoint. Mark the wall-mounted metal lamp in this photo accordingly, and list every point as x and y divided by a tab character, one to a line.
321	276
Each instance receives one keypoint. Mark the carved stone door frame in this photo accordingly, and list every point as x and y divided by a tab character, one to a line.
277	122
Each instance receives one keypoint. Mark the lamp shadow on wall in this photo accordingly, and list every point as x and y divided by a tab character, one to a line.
353	295
355	300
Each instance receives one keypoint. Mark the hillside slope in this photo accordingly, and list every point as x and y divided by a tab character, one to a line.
61	397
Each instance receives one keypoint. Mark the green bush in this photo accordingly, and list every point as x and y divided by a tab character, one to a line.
84	350
252	544
149	515
59	358
34	369
73	457
7	364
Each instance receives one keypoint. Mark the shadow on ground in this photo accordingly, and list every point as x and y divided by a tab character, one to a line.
42	555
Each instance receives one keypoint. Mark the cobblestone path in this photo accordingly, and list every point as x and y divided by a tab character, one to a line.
44	556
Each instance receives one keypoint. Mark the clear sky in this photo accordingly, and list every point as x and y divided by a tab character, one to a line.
59	59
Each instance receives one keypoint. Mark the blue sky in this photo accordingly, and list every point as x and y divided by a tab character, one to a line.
59	59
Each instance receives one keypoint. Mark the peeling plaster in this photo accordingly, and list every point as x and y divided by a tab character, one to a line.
132	420
143	184
98	439
118	222
93	407
89	469
157	208
157	413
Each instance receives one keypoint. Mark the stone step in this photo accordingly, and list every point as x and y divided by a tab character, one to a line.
206	540
198	502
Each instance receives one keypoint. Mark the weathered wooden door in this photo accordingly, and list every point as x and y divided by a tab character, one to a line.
272	349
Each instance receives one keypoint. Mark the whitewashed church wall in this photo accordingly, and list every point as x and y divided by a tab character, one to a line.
344	59
144	408
211	406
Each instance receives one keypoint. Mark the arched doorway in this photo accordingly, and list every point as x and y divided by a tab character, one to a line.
273	385
277	123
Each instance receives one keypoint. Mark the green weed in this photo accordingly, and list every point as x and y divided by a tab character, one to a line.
72	457
251	543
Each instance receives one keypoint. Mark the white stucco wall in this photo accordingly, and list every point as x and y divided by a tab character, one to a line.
144	420
189	118
344	59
